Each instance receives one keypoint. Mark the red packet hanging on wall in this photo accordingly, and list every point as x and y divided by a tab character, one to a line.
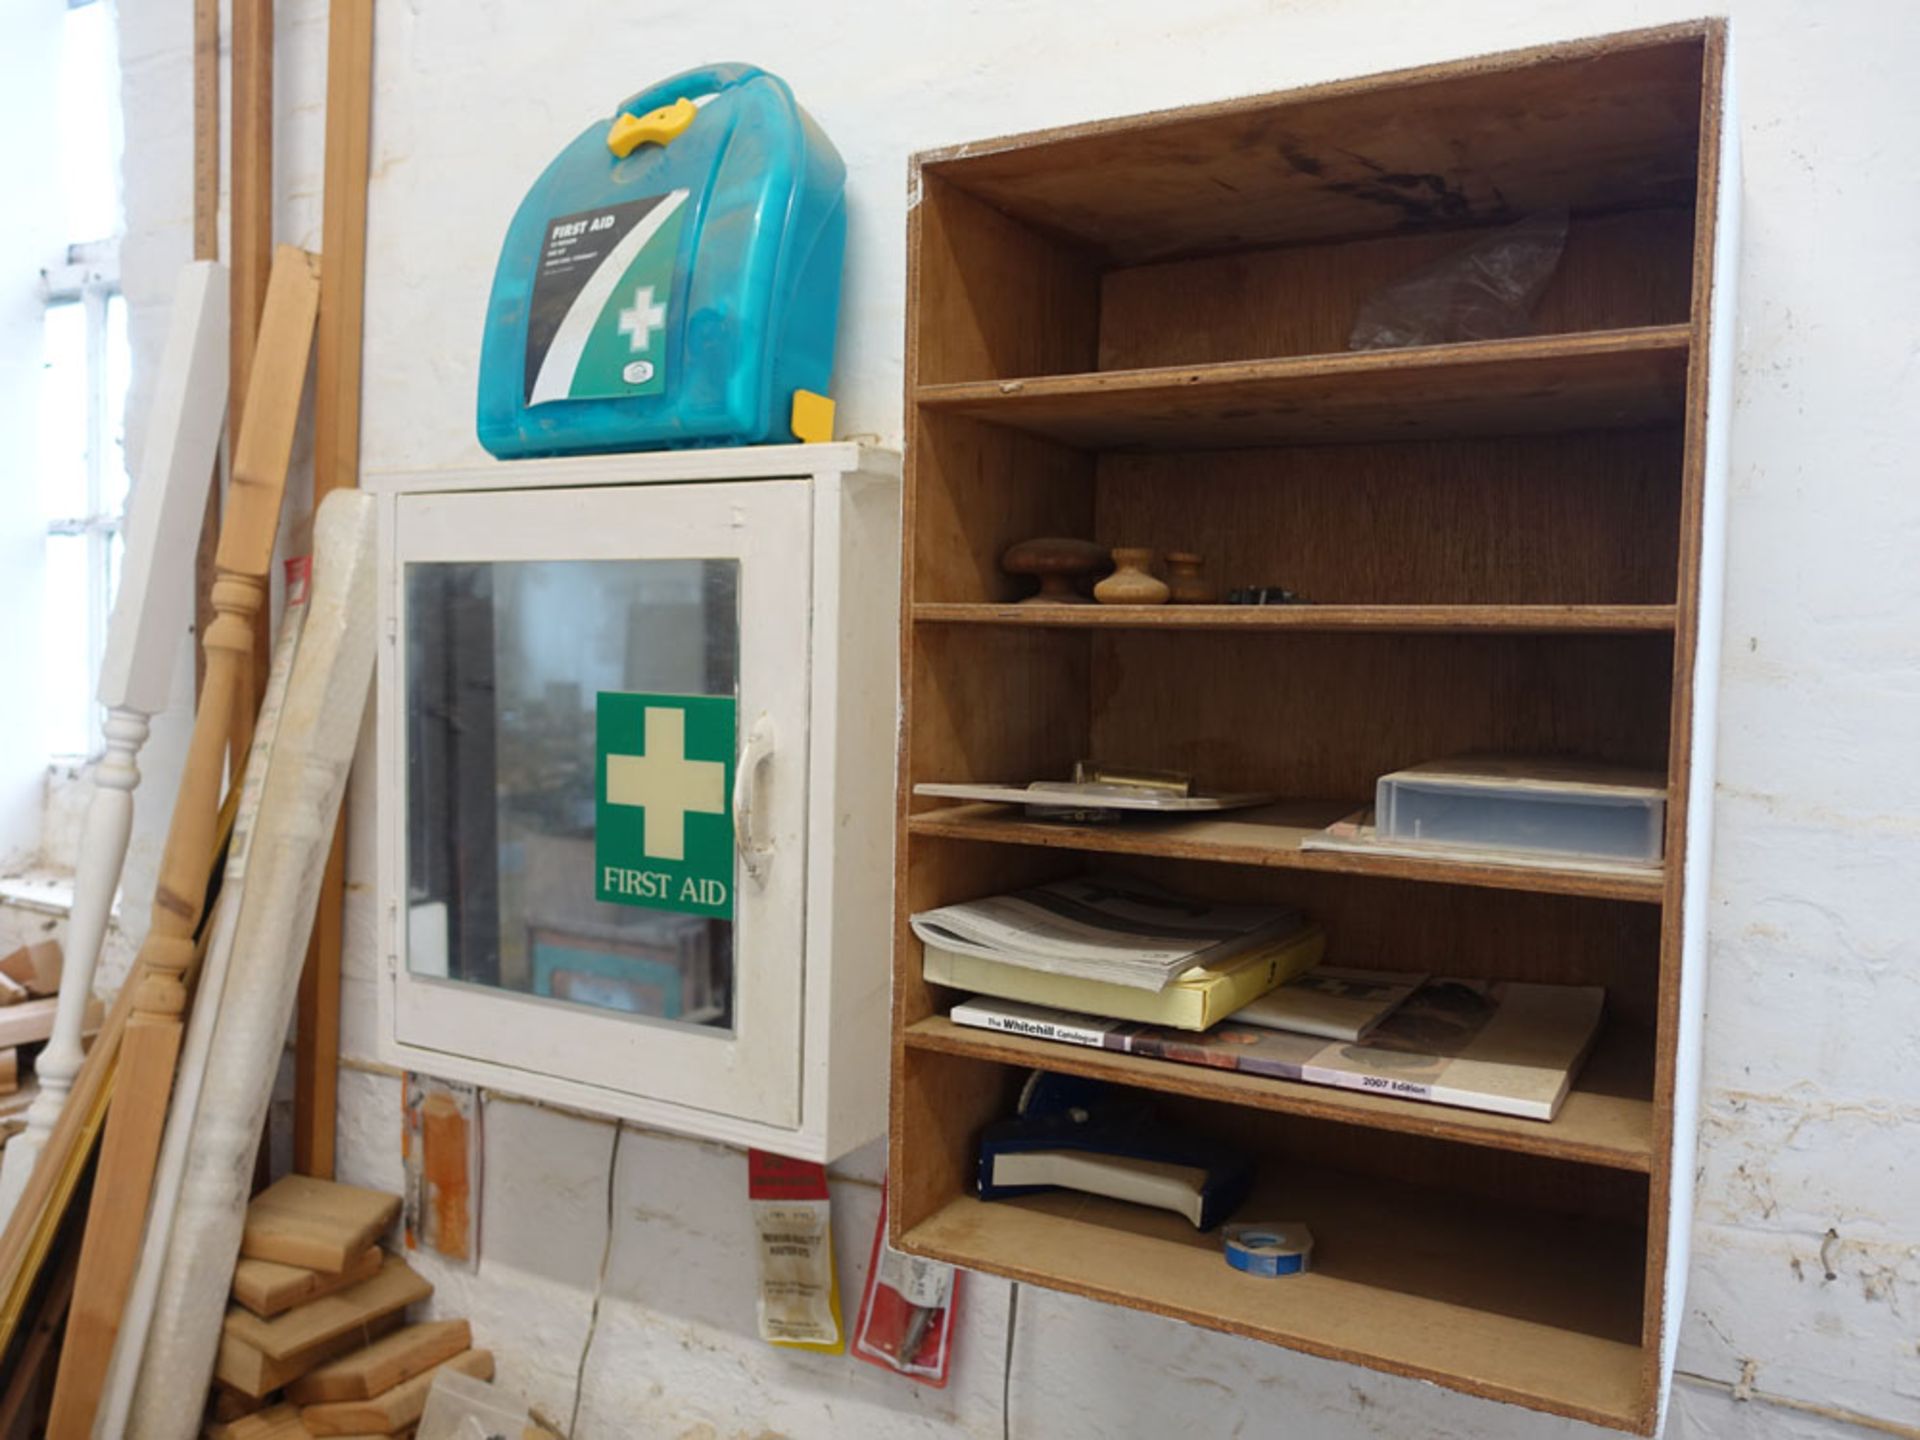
907	1311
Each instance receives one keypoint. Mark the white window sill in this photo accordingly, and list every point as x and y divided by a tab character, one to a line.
46	892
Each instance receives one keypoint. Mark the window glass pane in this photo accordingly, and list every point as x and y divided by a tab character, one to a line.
116	546
505	663
113	465
89	123
63	413
66	690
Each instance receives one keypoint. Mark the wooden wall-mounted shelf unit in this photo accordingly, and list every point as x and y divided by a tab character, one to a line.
1135	331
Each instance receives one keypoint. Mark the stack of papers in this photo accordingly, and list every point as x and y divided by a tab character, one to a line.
1112	929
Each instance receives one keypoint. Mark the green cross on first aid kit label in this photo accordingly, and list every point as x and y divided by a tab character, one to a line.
663	821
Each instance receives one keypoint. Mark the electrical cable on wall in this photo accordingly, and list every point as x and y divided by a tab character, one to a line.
600	1282
1006	1367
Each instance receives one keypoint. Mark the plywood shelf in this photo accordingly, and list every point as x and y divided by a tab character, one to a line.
1546	383
1379	619
1271	835
1512	1303
1606	1120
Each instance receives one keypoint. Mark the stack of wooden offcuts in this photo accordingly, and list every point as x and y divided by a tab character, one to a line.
316	1341
29	992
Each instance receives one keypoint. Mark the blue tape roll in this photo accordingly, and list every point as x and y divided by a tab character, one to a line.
1269	1250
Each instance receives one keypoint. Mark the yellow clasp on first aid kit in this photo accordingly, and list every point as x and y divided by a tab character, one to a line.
656	127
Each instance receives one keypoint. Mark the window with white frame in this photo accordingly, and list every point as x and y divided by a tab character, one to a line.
85	368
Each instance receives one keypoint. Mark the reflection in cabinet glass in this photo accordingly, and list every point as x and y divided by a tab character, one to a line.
505	664
635	739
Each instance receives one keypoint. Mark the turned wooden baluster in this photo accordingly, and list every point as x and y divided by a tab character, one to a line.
150	615
151	1043
103	849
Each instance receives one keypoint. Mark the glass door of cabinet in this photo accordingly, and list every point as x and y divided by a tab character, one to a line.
604	698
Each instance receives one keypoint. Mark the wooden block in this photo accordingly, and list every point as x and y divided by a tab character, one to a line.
400	1407
35	966
386	1293
440	1151
31	1021
28	1022
227	1405
269	1288
12	992
252	1372
365	1374
9	1071
318	1224
282	1422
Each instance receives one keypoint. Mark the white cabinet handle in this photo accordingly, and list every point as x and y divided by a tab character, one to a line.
754	757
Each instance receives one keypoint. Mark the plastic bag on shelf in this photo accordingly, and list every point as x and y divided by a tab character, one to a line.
1485	291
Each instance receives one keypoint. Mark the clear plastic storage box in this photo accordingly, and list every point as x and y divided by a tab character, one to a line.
1554	807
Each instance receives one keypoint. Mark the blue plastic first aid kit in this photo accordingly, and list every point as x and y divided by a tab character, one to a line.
672	280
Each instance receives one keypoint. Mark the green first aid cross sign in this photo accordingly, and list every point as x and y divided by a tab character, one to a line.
663	821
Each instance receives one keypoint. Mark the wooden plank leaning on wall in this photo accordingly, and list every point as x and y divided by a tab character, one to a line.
336	465
206	246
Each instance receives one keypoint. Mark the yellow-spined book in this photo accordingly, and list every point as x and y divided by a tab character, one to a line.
1197	1000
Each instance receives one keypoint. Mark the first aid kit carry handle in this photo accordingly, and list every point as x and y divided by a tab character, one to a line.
688	84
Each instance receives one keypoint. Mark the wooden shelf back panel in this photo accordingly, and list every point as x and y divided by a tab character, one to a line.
992	296
1607	1120
982	488
1542	384
1610	124
1305	714
1003	702
1271	836
1531	1308
1373	921
1523	521
1455	929
938	1104
1430	525
1618	271
1375	619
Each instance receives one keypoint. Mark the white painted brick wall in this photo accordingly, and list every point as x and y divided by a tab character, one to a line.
1813	1065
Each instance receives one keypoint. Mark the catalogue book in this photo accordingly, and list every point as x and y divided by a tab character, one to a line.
1500	1046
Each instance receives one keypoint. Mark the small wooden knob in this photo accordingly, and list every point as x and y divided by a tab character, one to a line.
1132	581
1184	580
1056	561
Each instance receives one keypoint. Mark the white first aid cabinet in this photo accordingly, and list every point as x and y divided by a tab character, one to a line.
636	742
